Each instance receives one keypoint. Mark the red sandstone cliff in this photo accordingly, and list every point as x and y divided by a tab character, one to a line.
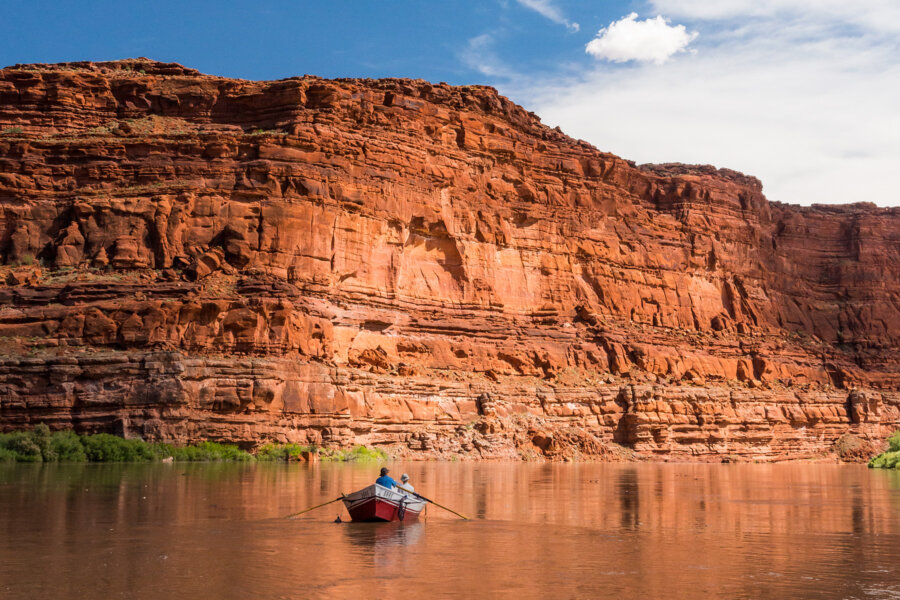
417	266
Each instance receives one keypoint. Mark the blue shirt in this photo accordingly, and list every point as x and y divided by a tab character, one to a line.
386	481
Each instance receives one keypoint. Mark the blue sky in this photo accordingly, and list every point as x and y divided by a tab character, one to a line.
266	39
803	94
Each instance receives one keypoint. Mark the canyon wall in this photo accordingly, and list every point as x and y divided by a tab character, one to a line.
420	267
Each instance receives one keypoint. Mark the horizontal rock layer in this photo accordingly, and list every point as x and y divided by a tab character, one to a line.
421	267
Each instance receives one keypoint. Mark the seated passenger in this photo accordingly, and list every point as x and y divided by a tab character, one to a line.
386	481
405	485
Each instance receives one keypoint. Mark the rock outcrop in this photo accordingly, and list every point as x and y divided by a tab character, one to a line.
422	267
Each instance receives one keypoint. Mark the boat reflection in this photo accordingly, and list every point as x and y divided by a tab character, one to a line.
370	537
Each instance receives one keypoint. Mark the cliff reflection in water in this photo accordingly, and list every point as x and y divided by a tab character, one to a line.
631	530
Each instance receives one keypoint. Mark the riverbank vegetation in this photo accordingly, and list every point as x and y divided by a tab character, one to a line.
891	458
291	452
41	445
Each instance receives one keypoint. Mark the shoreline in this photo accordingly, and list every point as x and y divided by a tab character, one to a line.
41	445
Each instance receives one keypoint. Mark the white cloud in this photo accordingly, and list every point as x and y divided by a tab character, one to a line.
873	15
650	40
807	104
548	10
479	54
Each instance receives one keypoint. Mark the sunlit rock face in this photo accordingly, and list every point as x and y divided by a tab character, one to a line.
421	267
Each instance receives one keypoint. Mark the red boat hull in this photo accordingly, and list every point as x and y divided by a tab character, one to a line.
376	503
376	509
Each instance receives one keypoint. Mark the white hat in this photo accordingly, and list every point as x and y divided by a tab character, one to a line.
404	477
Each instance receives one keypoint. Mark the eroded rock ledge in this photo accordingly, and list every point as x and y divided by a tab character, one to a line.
421	267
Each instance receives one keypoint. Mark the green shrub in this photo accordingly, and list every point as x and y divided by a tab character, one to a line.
295	451
104	447
67	447
886	460
22	445
161	450
891	458
40	445
894	442
285	452
269	452
41	437
210	451
288	452
357	454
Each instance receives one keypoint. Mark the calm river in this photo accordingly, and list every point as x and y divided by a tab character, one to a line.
539	531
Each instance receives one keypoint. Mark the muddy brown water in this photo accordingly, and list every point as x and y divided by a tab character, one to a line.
539	531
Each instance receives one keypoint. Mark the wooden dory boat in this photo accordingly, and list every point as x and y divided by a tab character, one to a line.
378	503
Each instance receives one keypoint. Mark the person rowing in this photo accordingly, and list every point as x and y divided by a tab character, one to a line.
389	482
386	480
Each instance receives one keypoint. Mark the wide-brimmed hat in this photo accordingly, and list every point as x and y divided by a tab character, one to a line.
384	470
404	477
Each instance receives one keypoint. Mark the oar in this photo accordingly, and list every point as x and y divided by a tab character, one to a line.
433	502
315	507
